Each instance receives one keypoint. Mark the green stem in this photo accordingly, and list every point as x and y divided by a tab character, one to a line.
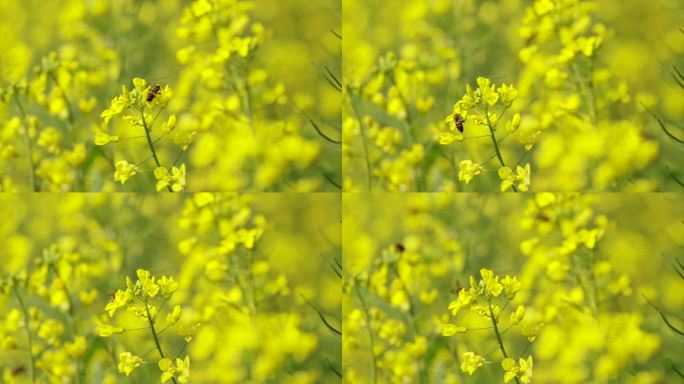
586	88
154	335
70	114
592	94
498	335
496	143
27	327
366	313
594	287
66	290
70	317
150	144
362	127
411	317
412	312
29	145
252	283
410	136
250	110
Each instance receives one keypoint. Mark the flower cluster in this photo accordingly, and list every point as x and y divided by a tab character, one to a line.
245	299
239	118
244	123
487	298
140	107
573	313
580	287
577	106
47	151
391	96
392	295
575	114
139	299
483	108
64	314
42	325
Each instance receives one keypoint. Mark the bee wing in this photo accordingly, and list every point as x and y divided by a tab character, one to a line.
458	288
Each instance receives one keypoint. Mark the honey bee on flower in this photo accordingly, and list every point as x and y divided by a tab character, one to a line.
458	121
154	91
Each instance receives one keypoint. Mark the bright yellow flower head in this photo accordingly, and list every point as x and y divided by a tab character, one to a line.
522	371
181	371
139	85
512	126
517	316
521	177
173	317
168	286
491	282
121	299
451	329
511	286
128	362
470	362
124	171
465	298
106	330
488	91
508	94
103	138
149	287
468	170
176	180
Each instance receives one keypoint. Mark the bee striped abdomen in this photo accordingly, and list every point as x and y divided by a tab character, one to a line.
154	91
459	120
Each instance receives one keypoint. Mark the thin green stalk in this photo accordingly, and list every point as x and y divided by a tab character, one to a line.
154	335
662	315
244	91
321	316
496	143
409	132
412	316
404	103
594	287
29	145
589	91
27	327
498	335
661	123
250	276
70	317
362	127
592	95
248	97
374	372
150	144
529	343
70	113
66	290
412	311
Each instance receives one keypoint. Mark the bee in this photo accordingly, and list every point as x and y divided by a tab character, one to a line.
457	289
17	371
399	247
154	91
646	136
542	217
110	297
459	120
